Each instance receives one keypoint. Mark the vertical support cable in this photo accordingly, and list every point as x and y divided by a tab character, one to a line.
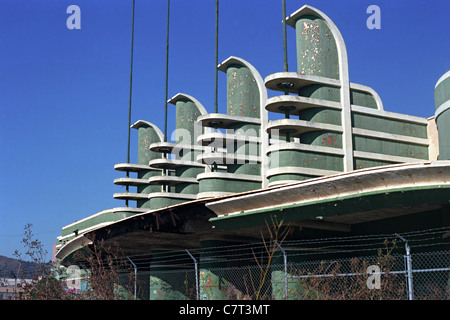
285	63
167	72
216	62
216	107
284	37
129	101
196	274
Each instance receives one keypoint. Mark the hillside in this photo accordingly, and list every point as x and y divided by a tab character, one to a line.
9	267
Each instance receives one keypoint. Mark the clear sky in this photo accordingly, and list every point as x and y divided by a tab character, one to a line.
64	93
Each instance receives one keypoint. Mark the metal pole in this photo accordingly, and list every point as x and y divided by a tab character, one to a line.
284	37
216	107
196	274
129	102
285	270
167	71
408	268
135	276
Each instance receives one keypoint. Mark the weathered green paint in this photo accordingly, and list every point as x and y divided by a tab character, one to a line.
186	153
367	163
146	188
305	159
316	48
185	136
443	125
243	99
186	188
246	148
188	172
146	136
317	55
246	168
161	290
106	216
388	147
242	92
442	92
244	129
322	115
187	129
319	91
142	203
369	122
364	99
164	201
322	138
212	286
227	185
71	231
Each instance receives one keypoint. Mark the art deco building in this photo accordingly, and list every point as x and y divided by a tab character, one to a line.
322	153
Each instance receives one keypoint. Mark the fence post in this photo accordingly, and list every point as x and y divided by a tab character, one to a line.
285	270
196	273
135	276
408	267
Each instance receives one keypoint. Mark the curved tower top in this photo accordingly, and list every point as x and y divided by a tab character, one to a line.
320	46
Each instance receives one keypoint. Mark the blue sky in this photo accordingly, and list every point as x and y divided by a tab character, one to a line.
64	93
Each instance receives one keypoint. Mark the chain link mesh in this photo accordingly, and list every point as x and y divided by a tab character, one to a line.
351	268
337	279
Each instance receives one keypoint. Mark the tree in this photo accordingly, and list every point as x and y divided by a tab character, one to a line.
277	234
43	283
107	273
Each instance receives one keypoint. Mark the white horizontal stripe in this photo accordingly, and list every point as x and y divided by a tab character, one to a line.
443	107
388	114
442	78
384	157
389	136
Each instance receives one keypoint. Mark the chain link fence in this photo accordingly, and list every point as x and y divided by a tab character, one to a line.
431	275
340	279
369	278
385	267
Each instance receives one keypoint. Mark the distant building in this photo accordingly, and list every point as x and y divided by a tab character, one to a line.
324	155
11	289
